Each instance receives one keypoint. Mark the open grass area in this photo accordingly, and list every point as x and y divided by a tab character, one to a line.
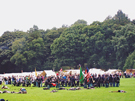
97	94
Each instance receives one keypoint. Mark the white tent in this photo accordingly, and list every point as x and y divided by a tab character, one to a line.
72	71
16	74
96	71
50	73
113	71
34	74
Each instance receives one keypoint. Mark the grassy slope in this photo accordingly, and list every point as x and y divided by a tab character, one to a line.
98	94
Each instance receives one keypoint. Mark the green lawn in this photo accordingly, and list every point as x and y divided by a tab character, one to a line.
97	94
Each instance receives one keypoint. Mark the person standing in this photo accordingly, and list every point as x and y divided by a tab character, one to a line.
102	80
77	79
69	81
9	80
117	81
110	80
38	81
57	82
113	80
42	78
85	82
73	81
106	81
62	81
6	80
0	80
90	82
98	81
65	80
134	74
13	79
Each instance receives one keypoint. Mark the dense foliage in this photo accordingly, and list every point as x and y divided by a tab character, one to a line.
107	44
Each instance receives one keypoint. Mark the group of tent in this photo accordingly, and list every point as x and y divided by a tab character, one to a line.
34	73
65	72
92	71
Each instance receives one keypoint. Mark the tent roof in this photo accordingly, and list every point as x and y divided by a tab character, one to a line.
72	71
111	71
48	72
96	71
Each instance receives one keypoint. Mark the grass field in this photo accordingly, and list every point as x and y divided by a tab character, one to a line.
97	94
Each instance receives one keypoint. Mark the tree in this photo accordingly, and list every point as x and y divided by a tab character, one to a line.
68	47
124	43
103	45
130	62
64	26
28	51
35	28
6	41
80	22
93	49
133	22
121	18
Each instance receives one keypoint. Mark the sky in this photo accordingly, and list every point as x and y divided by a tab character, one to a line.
46	14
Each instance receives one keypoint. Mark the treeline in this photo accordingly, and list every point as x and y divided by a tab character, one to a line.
107	44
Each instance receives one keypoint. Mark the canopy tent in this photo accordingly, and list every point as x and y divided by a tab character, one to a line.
96	71
130	70
71	71
16	74
113	71
34	73
48	73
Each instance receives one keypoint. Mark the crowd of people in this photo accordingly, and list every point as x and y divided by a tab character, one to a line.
129	75
93	80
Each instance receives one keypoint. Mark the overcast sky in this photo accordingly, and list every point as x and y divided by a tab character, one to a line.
46	14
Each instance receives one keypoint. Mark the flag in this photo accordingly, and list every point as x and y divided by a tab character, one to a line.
81	75
35	72
88	76
61	70
87	70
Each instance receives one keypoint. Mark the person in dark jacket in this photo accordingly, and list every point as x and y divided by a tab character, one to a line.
106	81
117	81
102	81
91	82
110	80
62	82
69	81
85	82
77	80
73	81
38	81
113	80
98	81
9	80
